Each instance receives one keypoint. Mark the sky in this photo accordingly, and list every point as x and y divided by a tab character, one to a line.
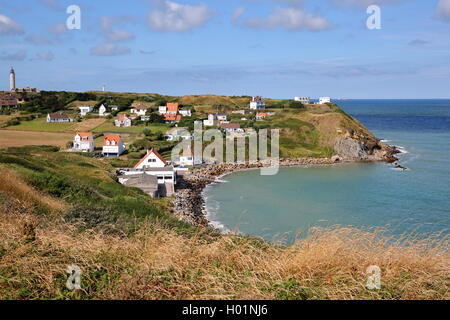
272	48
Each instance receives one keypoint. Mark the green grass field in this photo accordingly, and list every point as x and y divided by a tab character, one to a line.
110	127
42	125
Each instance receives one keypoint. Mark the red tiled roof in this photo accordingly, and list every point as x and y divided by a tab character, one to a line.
172	107
111	139
149	152
122	117
85	134
230	125
172	117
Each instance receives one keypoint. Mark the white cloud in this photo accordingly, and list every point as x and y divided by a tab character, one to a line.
9	27
443	10
115	35
46	56
109	49
238	12
176	17
18	56
290	19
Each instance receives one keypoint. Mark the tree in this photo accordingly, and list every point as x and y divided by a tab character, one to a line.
147	132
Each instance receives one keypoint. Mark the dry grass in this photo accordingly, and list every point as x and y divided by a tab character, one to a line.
88	125
156	263
15	138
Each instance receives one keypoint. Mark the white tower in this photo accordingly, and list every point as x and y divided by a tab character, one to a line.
12	80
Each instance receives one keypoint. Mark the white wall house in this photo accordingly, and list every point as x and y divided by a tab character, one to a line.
113	146
84	110
151	160
140	110
185	112
178	133
84	142
162	110
323	100
304	100
122	121
257	103
212	120
58	117
102	111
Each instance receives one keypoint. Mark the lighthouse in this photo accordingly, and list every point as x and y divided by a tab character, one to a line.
12	80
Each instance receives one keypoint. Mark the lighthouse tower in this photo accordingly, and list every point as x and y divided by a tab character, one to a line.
12	80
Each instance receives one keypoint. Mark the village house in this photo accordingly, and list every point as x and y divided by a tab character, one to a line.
243	112
172	108
122	121
323	100
58	117
212	120
139	110
114	108
304	100
103	111
154	164
231	127
257	103
175	134
84	142
9	100
185	112
187	158
263	115
84	110
113	146
172	118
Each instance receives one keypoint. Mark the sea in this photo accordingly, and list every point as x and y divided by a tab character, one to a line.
369	196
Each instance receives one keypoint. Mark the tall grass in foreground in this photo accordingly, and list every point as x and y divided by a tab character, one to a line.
156	262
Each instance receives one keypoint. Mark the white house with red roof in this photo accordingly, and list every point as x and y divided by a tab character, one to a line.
122	121
84	142
113	146
151	160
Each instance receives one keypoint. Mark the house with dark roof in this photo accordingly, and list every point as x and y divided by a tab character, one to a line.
58	117
231	127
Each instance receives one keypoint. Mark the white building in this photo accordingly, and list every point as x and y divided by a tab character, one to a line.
178	133
84	110
58	117
140	110
162	110
84	142
304	100
185	112
323	100
102	111
232	127
113	146
212	120
151	160
257	103
122	121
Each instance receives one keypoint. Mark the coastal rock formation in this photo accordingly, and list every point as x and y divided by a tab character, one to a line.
353	149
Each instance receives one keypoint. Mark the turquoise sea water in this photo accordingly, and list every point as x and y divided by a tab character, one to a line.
362	195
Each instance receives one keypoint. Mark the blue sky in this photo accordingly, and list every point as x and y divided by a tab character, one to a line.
273	48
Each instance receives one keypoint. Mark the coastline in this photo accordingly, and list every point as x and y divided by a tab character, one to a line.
189	204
